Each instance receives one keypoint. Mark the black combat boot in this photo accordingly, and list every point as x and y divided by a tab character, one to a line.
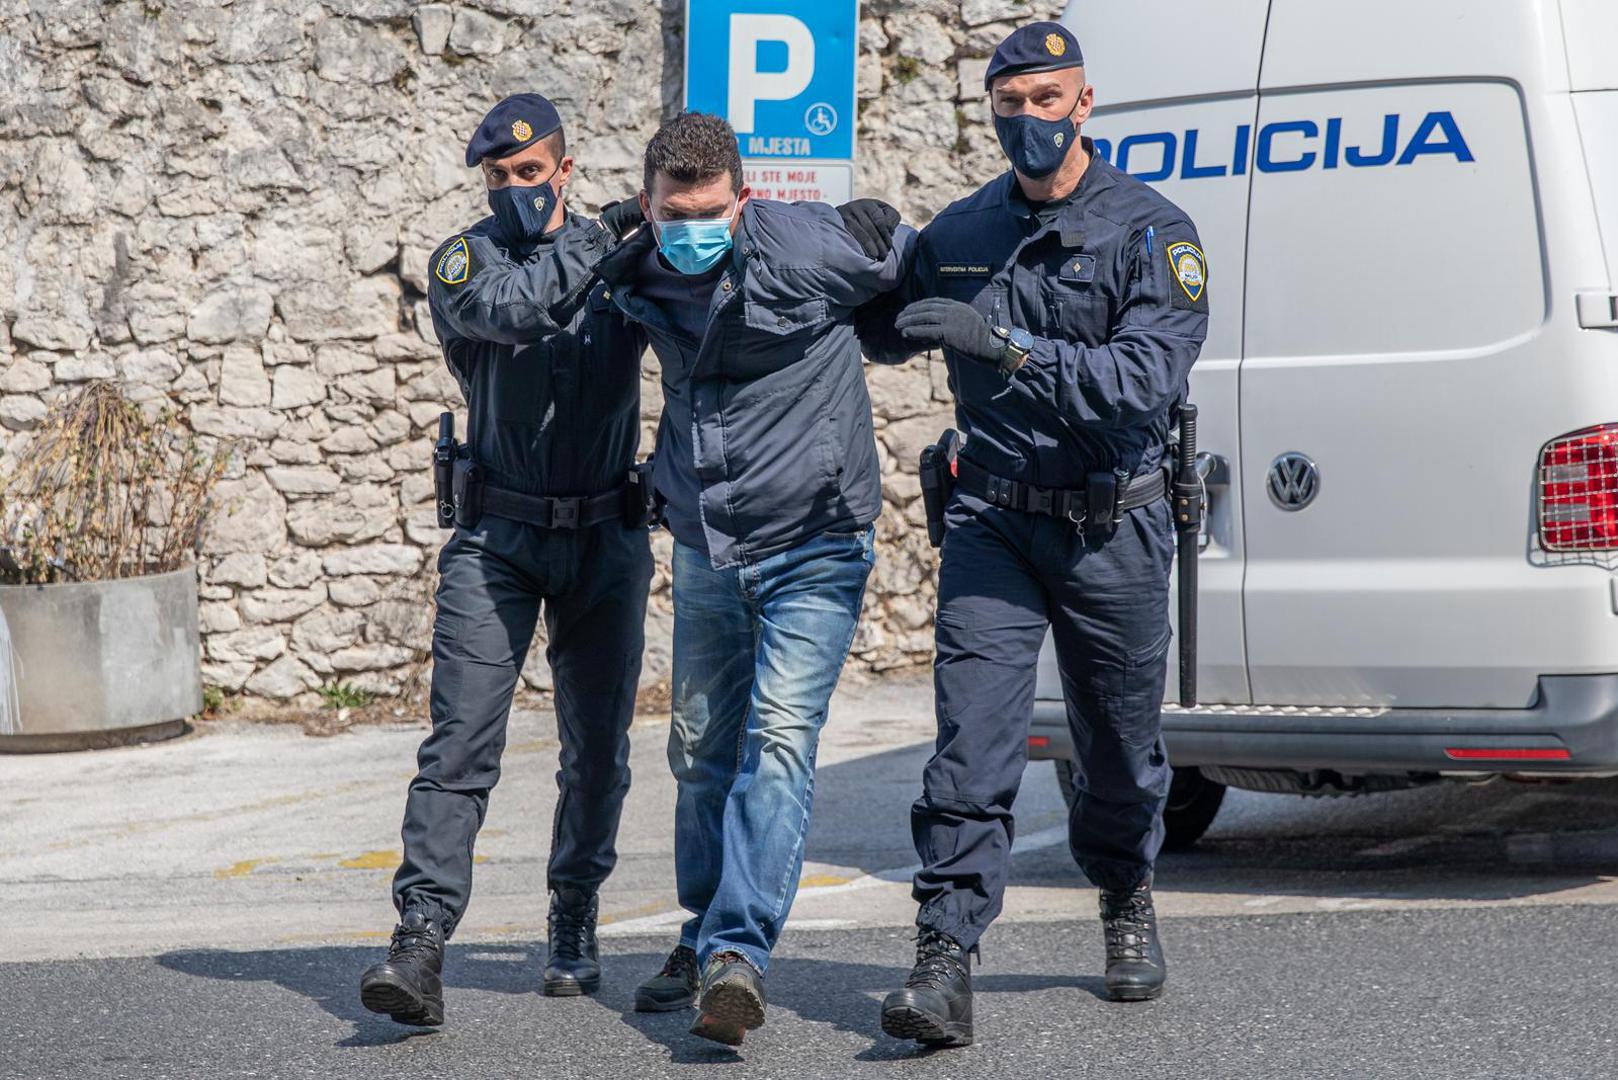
408	985
672	989
1135	965
732	1001
573	967
935	1006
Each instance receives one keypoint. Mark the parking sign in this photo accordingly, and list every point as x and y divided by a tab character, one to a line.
782	73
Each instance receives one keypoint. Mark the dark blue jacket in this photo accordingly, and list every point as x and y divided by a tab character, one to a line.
1115	329
766	438
549	368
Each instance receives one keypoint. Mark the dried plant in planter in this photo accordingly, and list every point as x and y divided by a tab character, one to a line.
106	488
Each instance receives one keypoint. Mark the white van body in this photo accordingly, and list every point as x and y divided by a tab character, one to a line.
1410	213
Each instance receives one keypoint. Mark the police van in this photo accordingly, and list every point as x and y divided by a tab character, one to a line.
1409	393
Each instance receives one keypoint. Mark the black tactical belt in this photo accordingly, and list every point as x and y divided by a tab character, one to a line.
1105	500
553	512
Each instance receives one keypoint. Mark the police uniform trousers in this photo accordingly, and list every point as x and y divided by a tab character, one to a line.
495	581
1007	576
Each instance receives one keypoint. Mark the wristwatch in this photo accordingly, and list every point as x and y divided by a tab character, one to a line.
1017	343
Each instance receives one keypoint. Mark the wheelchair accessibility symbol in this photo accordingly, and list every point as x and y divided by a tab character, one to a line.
820	119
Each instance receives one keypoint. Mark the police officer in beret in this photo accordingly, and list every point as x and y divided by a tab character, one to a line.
1070	301
550	371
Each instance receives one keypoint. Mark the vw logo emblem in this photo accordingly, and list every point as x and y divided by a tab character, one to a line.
1293	481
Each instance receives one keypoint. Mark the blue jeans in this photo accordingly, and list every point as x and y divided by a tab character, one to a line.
757	652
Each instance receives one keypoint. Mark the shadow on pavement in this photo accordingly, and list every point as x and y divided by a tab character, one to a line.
840	993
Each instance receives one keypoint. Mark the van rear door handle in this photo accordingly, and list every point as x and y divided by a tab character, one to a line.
1597	311
1214	470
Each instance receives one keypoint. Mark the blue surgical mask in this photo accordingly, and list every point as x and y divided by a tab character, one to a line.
1035	145
524	213
694	246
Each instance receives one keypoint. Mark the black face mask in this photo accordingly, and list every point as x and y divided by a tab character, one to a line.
524	213
1036	146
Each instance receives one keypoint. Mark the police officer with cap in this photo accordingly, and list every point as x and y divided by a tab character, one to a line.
551	376
1070	301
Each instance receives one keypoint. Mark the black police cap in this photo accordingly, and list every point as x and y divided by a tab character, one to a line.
515	124
1041	46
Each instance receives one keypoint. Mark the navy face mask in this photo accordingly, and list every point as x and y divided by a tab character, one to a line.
1035	146
523	212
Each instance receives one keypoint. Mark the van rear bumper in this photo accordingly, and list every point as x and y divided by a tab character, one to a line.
1571	728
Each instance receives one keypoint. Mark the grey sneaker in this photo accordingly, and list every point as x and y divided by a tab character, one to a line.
673	988
732	999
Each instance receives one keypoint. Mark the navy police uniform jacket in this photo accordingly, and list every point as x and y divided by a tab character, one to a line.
766	439
1114	291
550	369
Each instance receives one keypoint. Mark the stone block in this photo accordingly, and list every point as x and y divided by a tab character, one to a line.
230	314
83	368
248	517
296	386
280	605
432	22
374	559
218	617
327	631
25	377
242	380
295	571
303	480
240	568
253	643
153	367
285	678
475	34
21	413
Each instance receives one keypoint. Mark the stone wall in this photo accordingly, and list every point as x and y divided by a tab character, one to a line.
230	206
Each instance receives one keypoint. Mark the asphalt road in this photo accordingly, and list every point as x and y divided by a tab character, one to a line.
203	909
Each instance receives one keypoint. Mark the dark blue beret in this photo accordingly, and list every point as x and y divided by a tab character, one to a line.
1041	46
516	123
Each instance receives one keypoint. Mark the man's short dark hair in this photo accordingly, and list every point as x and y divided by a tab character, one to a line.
691	148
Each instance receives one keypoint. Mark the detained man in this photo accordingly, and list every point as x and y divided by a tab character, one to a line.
767	462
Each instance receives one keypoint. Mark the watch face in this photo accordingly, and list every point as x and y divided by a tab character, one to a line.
1021	338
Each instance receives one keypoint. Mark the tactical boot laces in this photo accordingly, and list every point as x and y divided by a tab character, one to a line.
935	1006
408	985
1135	965
732	1001
573	966
939	962
673	988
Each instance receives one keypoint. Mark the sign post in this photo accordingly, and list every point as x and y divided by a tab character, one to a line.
782	72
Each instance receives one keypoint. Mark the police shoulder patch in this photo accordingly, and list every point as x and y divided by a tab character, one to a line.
1189	268
454	263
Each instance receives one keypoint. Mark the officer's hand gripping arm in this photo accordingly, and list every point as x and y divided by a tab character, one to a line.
870	222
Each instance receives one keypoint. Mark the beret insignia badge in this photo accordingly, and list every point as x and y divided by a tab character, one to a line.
521	131
1055	44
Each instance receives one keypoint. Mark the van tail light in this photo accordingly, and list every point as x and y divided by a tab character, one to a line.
1578	491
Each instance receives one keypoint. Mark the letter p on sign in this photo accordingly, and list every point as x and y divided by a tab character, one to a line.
749	85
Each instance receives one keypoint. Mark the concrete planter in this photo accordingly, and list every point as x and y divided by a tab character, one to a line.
99	663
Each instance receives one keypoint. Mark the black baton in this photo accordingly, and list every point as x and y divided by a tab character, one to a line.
444	453
1188	509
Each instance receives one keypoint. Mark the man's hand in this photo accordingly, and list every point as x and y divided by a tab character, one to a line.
871	223
938	322
622	217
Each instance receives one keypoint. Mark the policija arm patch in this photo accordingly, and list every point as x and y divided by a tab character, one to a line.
1189	269
453	263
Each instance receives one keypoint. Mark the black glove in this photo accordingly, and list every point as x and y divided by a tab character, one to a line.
935	321
871	223
622	217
